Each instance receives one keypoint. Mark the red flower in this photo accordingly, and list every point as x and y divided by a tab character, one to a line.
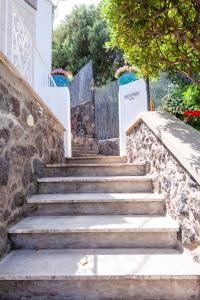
192	113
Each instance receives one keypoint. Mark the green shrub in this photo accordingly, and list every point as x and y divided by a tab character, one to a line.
181	99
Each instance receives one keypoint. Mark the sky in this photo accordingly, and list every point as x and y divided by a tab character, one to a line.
65	7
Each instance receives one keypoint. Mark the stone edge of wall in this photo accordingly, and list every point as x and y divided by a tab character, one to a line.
180	139
32	3
36	97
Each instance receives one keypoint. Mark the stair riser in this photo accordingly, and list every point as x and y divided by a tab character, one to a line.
96	239
99	187
137	208
84	154
95	171
106	289
98	160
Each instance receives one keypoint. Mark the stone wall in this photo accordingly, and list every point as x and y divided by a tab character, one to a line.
182	192
109	147
30	136
83	121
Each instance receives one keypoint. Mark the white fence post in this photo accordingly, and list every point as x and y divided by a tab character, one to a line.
132	101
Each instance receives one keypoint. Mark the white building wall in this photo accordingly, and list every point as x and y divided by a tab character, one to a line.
44	26
17	35
132	101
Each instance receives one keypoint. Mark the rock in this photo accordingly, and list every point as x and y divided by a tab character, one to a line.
38	168
4	135
15	106
19	150
83	120
108	147
3	240
38	144
51	142
31	150
196	255
4	215
4	99
4	170
18	132
19	199
27	174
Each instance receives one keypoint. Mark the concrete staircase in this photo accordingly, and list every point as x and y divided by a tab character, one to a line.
98	232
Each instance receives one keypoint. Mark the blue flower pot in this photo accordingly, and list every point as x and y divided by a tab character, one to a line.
61	80
127	78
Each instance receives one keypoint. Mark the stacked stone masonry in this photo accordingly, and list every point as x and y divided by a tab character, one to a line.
182	192
29	138
83	121
83	131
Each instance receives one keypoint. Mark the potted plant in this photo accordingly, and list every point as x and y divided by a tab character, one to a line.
126	74
61	77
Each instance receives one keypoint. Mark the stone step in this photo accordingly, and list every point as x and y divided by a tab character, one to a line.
82	154
106	169
83	148
96	160
98	184
121	231
83	151
139	274
98	204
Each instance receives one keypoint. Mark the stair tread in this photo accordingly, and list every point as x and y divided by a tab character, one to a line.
95	179
98	157
94	165
94	223
95	197
98	264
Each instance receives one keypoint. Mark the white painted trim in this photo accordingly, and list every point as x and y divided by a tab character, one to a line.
182	140
51	2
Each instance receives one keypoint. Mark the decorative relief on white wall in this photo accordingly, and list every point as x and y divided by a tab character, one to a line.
22	45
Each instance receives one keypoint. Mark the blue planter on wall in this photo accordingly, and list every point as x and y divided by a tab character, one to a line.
61	80
127	78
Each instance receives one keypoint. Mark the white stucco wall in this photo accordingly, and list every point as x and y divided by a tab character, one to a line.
44	26
15	14
132	101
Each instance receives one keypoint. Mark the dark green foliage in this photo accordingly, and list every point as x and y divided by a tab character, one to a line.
157	34
81	38
179	101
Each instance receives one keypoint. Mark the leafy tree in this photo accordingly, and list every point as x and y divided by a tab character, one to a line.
81	38
156	35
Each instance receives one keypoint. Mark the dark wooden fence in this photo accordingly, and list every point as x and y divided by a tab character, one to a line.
107	111
81	88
